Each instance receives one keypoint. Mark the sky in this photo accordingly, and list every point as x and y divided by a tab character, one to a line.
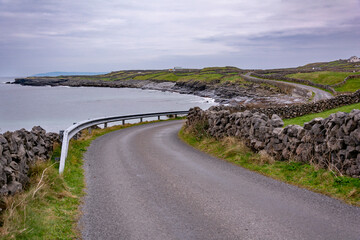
101	36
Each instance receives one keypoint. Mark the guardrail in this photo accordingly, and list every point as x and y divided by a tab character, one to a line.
77	127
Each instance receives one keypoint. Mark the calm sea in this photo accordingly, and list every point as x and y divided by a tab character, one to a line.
56	108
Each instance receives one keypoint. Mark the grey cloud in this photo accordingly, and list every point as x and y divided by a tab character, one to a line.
46	35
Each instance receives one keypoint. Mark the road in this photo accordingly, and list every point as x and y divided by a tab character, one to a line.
319	93
145	183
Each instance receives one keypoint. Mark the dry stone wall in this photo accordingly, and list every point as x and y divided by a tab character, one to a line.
18	150
298	110
333	142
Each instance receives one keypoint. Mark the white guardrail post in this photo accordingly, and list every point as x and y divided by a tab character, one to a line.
74	129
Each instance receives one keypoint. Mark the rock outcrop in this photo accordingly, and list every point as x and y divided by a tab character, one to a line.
18	150
332	143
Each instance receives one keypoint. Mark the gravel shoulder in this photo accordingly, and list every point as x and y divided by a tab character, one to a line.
145	183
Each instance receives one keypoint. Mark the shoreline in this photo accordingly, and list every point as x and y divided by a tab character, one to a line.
224	94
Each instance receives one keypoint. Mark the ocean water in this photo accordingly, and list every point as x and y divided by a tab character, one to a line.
57	108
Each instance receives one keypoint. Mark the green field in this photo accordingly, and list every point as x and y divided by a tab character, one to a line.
209	75
351	85
330	78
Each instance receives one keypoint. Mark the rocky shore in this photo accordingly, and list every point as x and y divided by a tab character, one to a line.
226	93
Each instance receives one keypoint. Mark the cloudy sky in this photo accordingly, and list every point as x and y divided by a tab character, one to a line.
93	35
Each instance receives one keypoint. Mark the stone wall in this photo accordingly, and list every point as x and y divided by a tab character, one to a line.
18	150
298	110
332	143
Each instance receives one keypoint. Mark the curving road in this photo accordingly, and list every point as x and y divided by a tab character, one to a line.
319	93
144	183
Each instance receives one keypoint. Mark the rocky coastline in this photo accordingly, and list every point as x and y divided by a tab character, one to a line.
226	93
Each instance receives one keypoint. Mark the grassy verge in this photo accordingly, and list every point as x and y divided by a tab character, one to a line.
304	175
306	118
49	207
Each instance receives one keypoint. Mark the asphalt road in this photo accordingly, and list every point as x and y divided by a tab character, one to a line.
144	183
319	94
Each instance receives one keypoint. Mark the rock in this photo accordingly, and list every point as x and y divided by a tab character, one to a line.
276	121
3	140
17	151
14	187
349	126
355	135
14	166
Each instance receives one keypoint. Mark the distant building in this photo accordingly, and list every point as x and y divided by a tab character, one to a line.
354	59
175	69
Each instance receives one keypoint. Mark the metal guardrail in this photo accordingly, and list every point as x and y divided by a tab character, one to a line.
74	129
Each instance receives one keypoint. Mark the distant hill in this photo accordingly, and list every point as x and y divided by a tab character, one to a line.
56	74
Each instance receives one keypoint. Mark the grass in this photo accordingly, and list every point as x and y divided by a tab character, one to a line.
233	79
351	85
306	118
49	207
303	175
327	78
203	77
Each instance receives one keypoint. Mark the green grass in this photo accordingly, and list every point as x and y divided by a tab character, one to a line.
202	77
52	211
324	77
147	76
351	85
303	175
233	79
306	118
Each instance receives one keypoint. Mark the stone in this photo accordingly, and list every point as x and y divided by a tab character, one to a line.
14	166
349	126
355	135
3	140
14	187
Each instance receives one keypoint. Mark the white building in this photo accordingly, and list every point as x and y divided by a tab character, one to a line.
354	59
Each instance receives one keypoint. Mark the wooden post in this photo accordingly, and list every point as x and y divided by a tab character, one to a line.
105	125
159	117
175	115
123	122
141	119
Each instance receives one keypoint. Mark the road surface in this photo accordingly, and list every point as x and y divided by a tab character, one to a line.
144	183
319	93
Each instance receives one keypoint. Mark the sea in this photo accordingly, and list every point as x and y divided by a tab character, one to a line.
57	108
